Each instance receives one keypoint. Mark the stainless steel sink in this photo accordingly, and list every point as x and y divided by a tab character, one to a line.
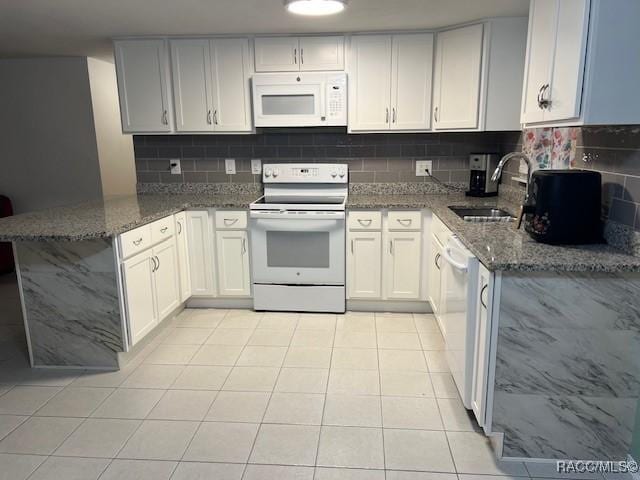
482	214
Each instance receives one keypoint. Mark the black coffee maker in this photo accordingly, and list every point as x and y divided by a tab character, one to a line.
564	207
481	167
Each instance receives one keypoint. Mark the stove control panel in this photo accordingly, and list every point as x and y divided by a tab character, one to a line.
305	173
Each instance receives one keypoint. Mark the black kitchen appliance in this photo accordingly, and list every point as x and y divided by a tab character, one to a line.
481	167
564	207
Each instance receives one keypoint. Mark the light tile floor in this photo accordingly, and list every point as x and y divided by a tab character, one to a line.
234	395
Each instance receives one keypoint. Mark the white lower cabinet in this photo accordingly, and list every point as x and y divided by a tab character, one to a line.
199	234
233	263
182	245
481	367
140	298
435	274
151	288
403	265
364	265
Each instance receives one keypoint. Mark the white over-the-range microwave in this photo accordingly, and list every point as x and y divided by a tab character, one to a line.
300	99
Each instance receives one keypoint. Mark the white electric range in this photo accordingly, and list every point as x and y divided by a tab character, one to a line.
298	238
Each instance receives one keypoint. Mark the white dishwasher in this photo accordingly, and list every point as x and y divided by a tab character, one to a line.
457	312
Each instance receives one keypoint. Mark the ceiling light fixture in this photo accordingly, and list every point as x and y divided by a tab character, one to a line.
315	8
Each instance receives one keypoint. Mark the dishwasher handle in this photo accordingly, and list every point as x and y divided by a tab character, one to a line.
462	267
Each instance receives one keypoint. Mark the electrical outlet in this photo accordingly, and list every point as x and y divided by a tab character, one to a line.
424	168
174	166
256	166
230	166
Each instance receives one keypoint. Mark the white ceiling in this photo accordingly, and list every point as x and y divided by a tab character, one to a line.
84	27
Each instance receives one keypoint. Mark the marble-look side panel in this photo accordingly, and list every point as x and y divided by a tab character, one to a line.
71	299
564	427
567	376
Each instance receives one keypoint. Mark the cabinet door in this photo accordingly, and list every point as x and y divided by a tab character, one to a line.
403	265
143	85
565	92
276	54
200	257
434	275
140	299
231	98
482	345
191	70
233	263
364	265
166	278
321	53
182	245
412	66
457	78
370	83
540	45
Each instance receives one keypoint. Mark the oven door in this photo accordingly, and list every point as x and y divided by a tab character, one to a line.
298	247
289	105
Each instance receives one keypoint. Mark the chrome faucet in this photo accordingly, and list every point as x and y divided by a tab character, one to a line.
498	173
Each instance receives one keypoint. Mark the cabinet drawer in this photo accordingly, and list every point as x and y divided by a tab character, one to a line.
439	230
405	220
135	241
231	220
365	220
162	229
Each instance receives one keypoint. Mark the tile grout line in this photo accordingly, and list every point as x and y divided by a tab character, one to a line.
384	453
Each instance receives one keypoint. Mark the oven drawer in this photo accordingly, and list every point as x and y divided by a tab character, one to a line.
231	219
365	220
405	220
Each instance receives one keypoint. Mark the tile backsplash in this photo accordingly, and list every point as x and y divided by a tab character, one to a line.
372	158
612	151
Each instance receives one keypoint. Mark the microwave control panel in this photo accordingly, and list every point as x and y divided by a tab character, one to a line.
336	100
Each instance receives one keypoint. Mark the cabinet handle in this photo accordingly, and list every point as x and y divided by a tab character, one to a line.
435	114
302	56
295	56
244	246
542	102
394	114
153	259
179	228
365	222
209	117
352	246
215	117
158	260
137	242
484	289
230	221
391	247
165	121
405	222
386	116
164	229
436	260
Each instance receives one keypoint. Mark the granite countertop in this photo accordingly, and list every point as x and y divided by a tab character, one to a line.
109	217
499	246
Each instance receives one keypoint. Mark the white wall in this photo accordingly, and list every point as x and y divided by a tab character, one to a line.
115	150
48	154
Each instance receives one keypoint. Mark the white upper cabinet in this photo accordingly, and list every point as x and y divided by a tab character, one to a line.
191	69
231	88
458	70
582	63
143	85
211	84
291	54
390	82
370	82
411	70
555	60
321	53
